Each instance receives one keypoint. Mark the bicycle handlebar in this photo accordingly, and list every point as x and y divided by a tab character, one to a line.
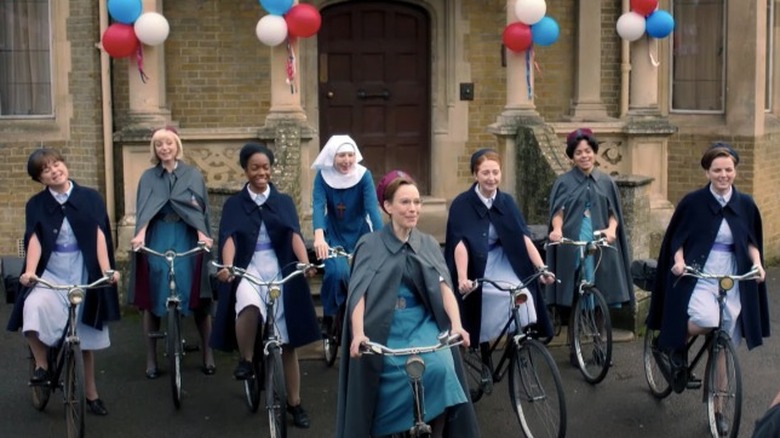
599	240
170	254
107	276
446	340
338	251
690	271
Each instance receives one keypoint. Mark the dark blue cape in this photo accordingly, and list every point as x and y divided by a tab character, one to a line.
693	227
86	212
468	222
241	220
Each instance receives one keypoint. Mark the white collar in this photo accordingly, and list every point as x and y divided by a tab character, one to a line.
67	192
487	201
254	195
324	163
723	199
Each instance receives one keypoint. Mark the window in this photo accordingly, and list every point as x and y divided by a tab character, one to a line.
25	59
699	56
770	50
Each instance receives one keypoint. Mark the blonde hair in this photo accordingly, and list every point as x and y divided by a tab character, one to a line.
156	136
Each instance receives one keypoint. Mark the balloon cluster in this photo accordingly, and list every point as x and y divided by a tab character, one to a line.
645	17
132	27
285	20
534	27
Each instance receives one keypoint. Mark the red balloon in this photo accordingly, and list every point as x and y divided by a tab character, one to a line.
517	37
644	7
303	20
119	40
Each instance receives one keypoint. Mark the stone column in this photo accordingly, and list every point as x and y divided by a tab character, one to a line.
746	68
643	96
587	103
147	99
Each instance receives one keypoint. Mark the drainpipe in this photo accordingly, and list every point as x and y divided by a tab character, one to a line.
625	68
108	122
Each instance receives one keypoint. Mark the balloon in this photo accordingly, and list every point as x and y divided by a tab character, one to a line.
530	11
271	30
125	11
631	26
151	28
517	37
660	24
545	31
276	7
644	7
303	20
119	40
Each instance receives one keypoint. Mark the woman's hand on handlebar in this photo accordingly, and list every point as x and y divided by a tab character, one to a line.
354	347
465	286
320	248
678	268
547	278
555	236
464	335
202	237
224	275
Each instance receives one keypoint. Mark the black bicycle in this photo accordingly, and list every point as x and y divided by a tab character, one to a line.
535	388
66	363
414	367
331	339
590	323
174	343
722	377
267	357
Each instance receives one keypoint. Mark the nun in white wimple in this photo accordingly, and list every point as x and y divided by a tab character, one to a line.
344	208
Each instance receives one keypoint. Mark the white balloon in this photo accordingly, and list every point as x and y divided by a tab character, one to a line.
151	28
530	11
631	26
271	30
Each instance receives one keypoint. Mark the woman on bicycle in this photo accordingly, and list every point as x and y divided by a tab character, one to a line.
400	296
716	229
171	214
582	201
487	237
259	231
344	208
67	240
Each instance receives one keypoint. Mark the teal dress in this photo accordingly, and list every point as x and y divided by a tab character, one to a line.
413	325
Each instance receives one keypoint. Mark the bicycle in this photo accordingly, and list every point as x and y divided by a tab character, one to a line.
267	358
414	367
534	381
590	323
331	339
722	387
174	345
66	360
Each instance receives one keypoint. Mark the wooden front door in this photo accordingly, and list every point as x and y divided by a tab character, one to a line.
374	84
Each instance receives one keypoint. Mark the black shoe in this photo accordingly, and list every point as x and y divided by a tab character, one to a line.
208	370
40	375
663	364
327	323
97	407
679	371
722	424
152	373
300	417
244	370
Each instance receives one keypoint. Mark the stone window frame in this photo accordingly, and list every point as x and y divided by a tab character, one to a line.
56	126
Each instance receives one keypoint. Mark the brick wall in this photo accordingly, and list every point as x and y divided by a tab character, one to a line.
82	146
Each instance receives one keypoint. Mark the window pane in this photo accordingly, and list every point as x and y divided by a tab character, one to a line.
25	58
698	57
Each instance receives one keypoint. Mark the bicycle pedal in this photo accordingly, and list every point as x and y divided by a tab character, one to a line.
191	348
156	335
693	384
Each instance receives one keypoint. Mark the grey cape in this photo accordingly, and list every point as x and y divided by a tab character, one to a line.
379	263
188	198
570	192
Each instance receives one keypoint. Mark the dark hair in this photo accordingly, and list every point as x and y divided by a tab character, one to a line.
389	184
39	159
250	149
716	150
482	155
575	137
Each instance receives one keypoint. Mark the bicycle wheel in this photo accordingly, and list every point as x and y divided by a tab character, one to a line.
592	335
275	394
73	391
252	385
536	391
654	374
41	392
478	375
723	390
175	352
330	343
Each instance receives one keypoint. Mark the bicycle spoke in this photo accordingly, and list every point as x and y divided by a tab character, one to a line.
536	391
724	389
73	392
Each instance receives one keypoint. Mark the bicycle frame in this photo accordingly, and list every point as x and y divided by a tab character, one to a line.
170	257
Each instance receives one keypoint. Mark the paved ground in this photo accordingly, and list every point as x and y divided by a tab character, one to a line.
621	406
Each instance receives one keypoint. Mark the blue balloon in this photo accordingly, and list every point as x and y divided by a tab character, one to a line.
659	24
125	11
276	7
545	31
